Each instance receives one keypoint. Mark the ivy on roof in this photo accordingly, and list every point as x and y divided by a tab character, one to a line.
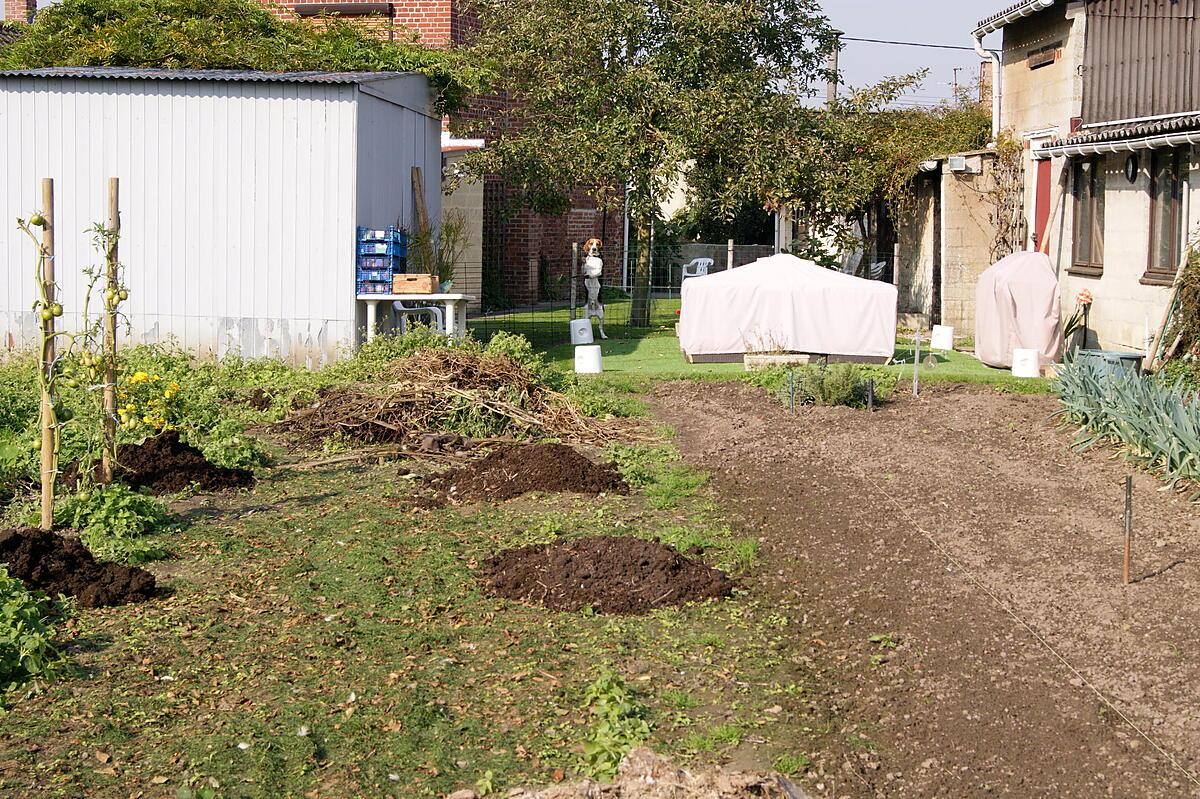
219	34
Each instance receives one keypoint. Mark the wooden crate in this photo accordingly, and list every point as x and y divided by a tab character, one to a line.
414	284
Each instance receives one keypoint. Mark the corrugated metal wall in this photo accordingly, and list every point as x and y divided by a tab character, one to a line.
238	206
1143	59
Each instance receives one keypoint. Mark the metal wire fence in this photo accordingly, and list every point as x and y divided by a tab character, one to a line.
563	295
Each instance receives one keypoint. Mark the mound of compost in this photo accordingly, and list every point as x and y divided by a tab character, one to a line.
57	565
609	574
512	471
165	464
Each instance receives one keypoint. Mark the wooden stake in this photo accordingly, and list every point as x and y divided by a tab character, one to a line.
48	433
1128	527
917	366
112	284
421	212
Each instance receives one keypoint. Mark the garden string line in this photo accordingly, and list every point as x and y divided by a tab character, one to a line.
1026	625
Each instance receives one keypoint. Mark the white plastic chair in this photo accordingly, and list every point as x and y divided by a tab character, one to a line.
876	270
437	317
697	267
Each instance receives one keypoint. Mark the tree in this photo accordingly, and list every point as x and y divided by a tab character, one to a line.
626	92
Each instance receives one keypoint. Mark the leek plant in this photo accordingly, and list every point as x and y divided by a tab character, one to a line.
1155	420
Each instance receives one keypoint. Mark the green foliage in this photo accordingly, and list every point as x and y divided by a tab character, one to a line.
1185	371
838	384
374	359
657	470
26	651
791	765
601	399
518	349
218	34
1156	422
619	724
1185	322
113	522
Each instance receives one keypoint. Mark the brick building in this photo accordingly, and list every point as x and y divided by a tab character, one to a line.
19	10
526	256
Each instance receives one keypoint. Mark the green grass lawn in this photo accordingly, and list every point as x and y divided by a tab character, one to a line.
653	353
324	637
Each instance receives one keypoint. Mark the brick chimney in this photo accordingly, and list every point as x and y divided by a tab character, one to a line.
19	10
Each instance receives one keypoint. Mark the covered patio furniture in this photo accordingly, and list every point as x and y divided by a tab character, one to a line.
785	304
1017	307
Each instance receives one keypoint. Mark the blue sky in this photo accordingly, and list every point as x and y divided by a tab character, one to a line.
931	21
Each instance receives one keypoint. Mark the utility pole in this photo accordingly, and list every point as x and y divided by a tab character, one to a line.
831	87
956	71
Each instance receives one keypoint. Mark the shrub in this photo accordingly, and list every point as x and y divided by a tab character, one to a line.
1156	421
26	651
113	521
836	384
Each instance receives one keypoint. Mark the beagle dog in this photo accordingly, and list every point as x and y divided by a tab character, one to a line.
593	269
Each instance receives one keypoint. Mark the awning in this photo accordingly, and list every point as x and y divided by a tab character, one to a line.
1180	131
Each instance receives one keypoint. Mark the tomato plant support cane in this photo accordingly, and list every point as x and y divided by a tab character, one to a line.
1128	529
49	465
108	456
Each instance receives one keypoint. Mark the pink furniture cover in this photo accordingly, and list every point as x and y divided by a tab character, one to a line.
787	304
1017	307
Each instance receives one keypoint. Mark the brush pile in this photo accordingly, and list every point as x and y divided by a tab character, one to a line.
473	394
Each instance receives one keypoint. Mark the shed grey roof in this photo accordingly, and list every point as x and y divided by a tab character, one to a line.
228	75
1017	10
1143	130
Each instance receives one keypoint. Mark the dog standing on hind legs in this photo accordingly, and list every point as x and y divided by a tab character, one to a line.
593	268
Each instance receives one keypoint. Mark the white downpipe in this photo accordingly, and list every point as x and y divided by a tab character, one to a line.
1103	148
996	78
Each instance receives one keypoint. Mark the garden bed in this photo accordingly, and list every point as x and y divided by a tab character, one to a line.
609	574
57	565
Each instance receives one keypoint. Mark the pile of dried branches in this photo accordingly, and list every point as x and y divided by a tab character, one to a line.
468	393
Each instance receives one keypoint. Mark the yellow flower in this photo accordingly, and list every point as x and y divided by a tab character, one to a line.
139	377
167	394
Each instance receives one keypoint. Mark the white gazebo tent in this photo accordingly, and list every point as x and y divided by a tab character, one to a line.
787	304
1017	307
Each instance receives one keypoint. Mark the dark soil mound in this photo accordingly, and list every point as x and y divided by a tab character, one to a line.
512	471
610	574
164	464
58	565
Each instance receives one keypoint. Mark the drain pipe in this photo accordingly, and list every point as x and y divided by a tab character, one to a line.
992	56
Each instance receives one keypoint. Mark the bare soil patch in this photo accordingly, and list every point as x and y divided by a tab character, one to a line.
57	565
509	472
646	775
165	464
883	523
610	574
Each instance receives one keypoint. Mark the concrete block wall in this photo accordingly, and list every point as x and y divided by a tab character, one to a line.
967	233
914	273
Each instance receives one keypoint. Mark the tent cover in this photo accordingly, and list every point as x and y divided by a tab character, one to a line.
1017	307
787	304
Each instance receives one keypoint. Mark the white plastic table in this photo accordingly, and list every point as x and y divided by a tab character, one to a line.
456	321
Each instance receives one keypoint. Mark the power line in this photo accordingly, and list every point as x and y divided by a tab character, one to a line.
910	44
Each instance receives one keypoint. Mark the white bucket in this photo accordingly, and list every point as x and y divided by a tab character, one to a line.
587	360
1026	363
943	338
581	331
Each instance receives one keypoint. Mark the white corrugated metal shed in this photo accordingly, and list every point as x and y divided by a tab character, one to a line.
240	195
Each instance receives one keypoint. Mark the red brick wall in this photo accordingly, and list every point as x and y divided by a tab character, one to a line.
513	239
19	10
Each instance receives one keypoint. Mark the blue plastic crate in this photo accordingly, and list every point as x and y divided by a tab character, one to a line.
393	263
374	275
395	248
374	287
389	234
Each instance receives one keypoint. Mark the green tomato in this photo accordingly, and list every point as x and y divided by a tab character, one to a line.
47	314
37	220
56	310
123	294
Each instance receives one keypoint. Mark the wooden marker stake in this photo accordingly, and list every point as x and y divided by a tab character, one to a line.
48	465
112	283
1128	527
917	366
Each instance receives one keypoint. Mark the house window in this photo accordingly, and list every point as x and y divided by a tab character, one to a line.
1088	187
1166	214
